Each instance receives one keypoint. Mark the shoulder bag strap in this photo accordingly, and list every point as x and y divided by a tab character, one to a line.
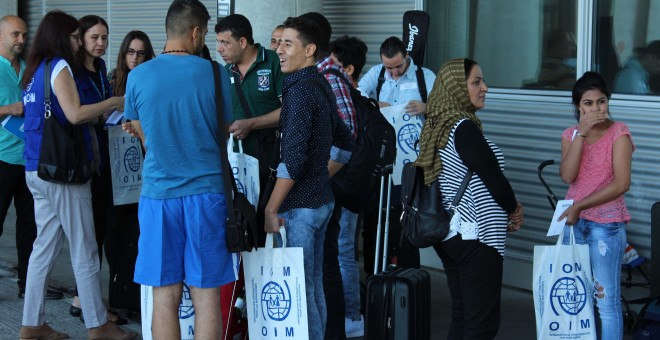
421	83
461	190
339	75
47	88
228	174
381	81
241	97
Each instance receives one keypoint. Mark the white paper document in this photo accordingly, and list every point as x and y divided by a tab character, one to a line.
115	118
556	227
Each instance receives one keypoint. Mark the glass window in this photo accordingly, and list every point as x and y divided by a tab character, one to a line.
518	43
627	45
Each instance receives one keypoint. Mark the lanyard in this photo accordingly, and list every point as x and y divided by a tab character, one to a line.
101	94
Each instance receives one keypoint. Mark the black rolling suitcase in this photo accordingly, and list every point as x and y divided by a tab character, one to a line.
398	302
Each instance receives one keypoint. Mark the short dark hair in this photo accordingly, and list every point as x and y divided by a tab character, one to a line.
350	51
468	65
51	40
89	21
308	31
589	81
325	30
391	47
238	25
184	14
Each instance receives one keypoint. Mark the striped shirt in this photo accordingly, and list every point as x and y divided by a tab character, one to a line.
479	216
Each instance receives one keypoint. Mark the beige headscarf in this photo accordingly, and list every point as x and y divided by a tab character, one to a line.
448	103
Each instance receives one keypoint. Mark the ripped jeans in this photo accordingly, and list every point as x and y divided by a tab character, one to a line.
607	242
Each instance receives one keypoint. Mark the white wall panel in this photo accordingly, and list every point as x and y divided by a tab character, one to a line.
370	20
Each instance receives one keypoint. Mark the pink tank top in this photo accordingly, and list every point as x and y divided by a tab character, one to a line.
596	172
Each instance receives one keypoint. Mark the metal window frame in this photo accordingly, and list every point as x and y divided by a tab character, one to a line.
586	27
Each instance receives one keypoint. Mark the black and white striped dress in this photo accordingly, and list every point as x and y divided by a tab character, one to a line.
480	216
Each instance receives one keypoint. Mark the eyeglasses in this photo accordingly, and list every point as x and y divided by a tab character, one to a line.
74	36
140	53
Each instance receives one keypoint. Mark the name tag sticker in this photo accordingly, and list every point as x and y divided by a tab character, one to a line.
409	86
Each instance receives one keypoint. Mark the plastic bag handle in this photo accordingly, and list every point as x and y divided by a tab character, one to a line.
270	240
571	233
230	144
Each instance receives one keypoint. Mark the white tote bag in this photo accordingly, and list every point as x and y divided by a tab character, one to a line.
186	313
246	171
126	162
275	292
563	291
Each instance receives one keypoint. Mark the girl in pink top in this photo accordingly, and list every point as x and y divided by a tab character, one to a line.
595	161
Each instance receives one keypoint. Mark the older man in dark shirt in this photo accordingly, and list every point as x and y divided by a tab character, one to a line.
315	144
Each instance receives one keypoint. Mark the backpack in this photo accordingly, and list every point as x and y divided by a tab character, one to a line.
419	75
355	185
649	321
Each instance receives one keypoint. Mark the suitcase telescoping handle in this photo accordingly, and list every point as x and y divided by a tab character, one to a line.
385	175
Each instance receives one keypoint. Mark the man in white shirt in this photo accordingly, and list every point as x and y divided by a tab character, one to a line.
397	76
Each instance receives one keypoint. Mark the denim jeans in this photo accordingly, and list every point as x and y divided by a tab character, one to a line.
306	228
350	270
607	243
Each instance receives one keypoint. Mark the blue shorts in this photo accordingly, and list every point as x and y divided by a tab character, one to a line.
181	239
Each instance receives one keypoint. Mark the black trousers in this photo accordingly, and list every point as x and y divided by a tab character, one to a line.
332	282
101	204
474	277
13	186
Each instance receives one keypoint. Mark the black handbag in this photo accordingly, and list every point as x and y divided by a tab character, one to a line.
424	220
241	226
62	158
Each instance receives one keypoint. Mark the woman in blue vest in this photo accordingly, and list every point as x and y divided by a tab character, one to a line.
93	87
61	210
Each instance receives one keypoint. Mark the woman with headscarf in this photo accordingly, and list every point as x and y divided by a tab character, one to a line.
451	143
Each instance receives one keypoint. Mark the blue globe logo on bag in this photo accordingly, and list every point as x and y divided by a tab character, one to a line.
186	309
275	301
569	294
132	159
408	135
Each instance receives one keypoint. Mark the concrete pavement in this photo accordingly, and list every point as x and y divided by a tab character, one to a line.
517	320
